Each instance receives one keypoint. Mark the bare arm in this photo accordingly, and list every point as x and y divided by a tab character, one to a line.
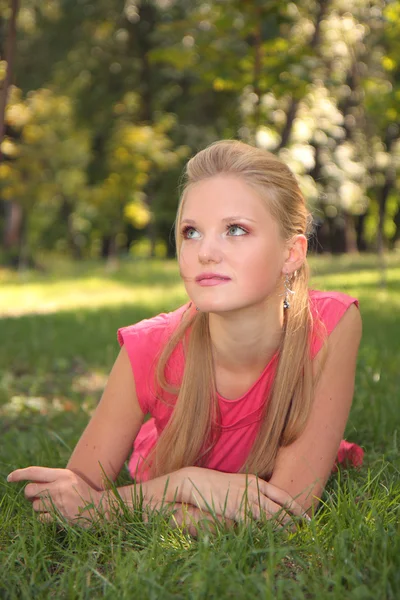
100	452
109	436
303	468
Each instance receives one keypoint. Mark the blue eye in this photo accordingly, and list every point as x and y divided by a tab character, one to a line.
233	226
186	231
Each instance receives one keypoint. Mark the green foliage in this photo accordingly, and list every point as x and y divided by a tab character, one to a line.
133	152
129	90
389	224
47	161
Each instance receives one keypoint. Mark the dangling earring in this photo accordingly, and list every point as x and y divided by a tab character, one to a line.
288	291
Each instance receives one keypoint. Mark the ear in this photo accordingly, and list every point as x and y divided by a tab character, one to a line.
296	254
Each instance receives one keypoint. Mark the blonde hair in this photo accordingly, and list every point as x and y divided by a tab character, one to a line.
193	427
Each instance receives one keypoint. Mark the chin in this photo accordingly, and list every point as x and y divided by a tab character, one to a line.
218	307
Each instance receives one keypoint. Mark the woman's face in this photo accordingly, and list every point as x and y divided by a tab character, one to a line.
227	230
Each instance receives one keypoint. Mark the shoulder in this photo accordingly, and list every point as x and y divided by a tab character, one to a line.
311	456
330	301
338	361
143	343
155	328
331	311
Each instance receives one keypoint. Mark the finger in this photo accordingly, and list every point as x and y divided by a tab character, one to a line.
260	506
282	498
278	513
183	515
264	507
41	505
45	517
32	490
35	474
83	523
192	519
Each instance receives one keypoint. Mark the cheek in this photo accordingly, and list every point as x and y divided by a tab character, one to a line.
186	257
263	268
183	256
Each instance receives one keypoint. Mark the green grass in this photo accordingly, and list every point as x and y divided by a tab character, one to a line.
58	332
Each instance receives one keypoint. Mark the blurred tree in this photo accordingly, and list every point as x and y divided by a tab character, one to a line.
133	152
47	173
150	82
6	77
106	72
384	106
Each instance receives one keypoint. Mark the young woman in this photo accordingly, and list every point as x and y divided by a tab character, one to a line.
249	384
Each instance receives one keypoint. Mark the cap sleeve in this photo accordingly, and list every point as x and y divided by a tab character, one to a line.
144	342
327	309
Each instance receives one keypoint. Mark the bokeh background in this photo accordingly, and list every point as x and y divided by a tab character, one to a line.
106	101
101	104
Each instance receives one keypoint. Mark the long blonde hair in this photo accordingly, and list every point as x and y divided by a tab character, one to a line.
193	428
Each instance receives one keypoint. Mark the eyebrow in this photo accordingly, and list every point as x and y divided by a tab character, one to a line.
225	220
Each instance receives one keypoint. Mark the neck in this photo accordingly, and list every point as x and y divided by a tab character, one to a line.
246	339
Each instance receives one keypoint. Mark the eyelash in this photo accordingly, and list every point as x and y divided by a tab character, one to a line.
229	225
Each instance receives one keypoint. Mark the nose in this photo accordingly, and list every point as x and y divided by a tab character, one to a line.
209	251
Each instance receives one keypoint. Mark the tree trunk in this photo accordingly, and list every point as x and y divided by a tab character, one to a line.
257	67
151	230
9	56
382	202
396	235
350	233
24	256
294	103
105	246
13	225
362	245
66	214
112	257
290	117
392	133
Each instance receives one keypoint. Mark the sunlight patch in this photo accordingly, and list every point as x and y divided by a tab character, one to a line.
37	405
90	382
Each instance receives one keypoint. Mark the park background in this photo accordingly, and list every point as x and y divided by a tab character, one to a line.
101	105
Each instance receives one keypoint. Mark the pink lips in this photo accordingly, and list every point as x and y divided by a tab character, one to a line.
207	279
212	281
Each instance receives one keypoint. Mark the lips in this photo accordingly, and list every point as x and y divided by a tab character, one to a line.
212	281
215	276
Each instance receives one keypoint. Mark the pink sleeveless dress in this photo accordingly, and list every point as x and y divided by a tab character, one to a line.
240	418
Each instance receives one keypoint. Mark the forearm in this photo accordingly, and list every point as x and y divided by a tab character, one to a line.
155	493
181	514
230	496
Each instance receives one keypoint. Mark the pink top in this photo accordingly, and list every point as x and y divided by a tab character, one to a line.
240	418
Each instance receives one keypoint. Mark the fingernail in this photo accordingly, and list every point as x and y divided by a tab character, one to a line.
9	478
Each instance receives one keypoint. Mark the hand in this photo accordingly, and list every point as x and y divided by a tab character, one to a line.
192	519
234	494
60	489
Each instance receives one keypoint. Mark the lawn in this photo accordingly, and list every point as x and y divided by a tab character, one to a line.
58	332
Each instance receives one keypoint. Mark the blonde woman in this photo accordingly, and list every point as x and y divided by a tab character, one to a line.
249	384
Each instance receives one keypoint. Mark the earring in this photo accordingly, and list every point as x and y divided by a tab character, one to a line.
288	291
197	308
